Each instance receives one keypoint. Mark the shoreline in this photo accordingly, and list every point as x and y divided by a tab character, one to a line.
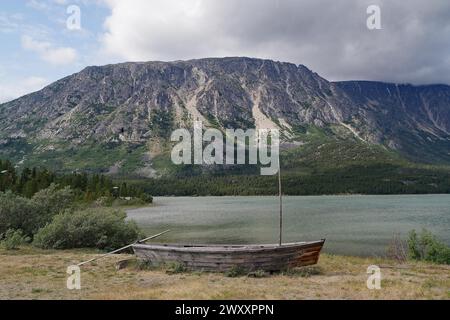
308	195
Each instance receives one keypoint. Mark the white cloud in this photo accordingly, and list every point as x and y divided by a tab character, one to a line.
60	56
15	89
9	23
328	36
48	53
38	5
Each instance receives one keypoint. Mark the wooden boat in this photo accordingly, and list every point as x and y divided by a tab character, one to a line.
222	258
272	257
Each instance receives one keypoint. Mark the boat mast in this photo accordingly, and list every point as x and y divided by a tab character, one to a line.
281	202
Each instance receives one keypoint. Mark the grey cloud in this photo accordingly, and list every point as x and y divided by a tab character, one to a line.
328	36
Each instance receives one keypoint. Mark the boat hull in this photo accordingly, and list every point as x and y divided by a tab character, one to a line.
222	258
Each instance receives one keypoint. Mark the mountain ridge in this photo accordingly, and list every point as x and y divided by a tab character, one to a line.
139	103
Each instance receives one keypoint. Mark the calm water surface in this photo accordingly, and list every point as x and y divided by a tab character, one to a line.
355	225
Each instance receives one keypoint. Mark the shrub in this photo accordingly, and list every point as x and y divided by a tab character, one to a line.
13	239
235	272
29	215
52	200
92	228
427	247
104	202
304	272
398	249
17	213
146	198
142	264
175	267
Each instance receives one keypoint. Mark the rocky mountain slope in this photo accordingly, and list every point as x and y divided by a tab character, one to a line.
118	117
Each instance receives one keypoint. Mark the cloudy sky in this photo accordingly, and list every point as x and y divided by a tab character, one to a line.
328	36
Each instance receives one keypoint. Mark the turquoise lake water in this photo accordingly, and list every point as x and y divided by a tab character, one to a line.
354	225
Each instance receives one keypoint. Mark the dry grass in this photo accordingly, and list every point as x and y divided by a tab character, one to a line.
35	274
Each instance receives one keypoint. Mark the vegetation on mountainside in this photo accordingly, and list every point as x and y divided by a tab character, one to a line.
93	157
322	166
352	180
330	161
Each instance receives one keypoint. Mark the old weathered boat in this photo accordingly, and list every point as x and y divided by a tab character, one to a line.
271	257
226	257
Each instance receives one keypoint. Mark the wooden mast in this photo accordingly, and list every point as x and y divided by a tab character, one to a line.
281	203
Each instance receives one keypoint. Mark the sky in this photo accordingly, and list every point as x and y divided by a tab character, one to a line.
331	37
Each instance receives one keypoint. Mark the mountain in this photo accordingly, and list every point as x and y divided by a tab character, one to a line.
118	118
414	120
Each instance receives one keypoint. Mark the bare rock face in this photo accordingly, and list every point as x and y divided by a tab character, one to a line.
414	120
137	102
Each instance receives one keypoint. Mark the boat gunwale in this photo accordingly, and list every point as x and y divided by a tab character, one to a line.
215	248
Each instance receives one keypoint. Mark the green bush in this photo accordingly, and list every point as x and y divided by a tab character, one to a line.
53	200
16	213
29	215
175	267
92	228
427	247
104	202
235	272
12	239
146	198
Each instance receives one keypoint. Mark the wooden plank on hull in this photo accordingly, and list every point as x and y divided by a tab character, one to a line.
223	258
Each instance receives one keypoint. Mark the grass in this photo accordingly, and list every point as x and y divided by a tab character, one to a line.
30	273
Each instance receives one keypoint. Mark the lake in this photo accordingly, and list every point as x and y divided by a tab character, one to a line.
352	225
